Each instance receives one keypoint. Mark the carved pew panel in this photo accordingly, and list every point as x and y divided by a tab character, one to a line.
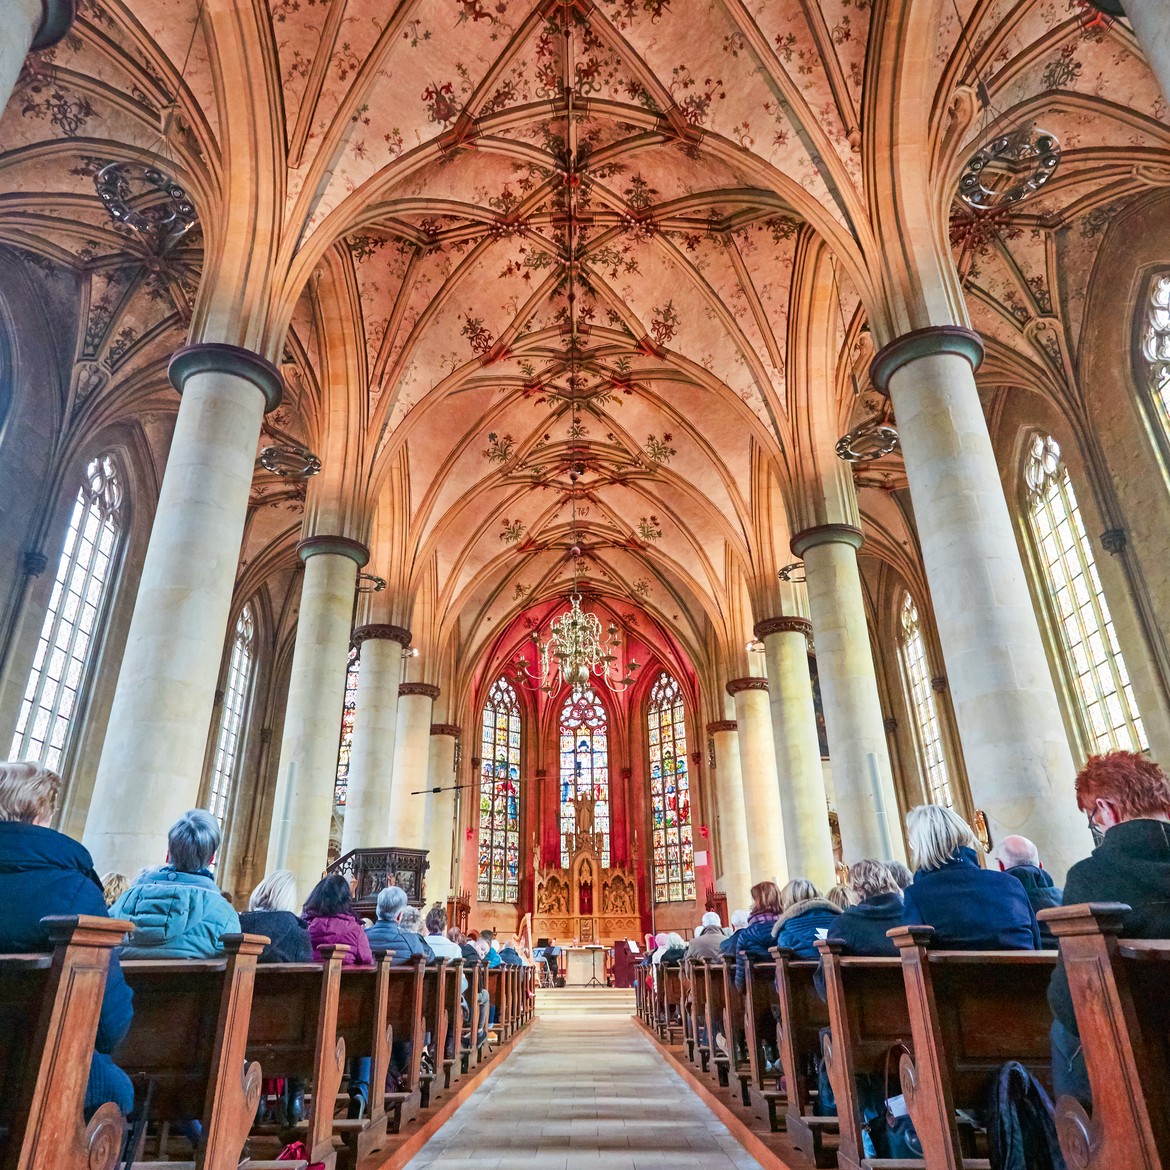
733	1030
435	1024
405	1018
716	1013
760	1029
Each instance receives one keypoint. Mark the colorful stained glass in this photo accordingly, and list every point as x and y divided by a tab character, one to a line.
584	732
341	783
499	797
670	794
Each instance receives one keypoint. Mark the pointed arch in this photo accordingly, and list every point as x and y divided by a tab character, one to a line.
499	796
670	793
919	686
584	772
237	695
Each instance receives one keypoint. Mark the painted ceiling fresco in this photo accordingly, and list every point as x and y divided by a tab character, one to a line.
520	239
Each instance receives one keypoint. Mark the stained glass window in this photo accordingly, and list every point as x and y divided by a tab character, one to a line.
341	781
928	730
1156	345
670	794
584	767
61	661
1081	613
235	701
499	797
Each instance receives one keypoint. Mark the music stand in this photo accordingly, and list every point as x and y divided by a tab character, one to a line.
593	980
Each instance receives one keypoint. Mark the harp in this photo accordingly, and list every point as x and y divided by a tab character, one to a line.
522	939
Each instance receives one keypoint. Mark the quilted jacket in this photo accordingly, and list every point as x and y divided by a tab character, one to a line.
175	915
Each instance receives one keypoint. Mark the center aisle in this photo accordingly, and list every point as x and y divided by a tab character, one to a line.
584	1084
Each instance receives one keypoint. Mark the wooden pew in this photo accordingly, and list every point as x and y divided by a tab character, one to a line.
435	1023
668	985
49	1010
760	1031
404	1016
733	1030
691	1016
293	1033
970	1013
470	1054
453	1006
803	1014
868	1016
188	1040
713	997
1123	1016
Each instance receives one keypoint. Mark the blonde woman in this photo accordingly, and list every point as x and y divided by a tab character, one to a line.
806	917
272	911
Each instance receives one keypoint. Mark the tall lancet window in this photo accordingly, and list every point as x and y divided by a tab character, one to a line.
920	692
670	794
1156	346
584	771
348	707
63	655
1079	609
236	692
499	796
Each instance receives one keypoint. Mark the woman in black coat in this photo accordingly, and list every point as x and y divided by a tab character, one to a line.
42	873
272	912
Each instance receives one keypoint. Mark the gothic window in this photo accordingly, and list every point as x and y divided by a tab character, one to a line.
1156	346
235	702
349	705
928	731
1079	609
584	767
670	794
499	797
62	659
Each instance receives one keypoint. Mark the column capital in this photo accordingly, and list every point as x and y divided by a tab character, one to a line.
722	725
746	684
783	625
426	690
340	546
451	729
826	534
921	343
57	18
213	357
377	632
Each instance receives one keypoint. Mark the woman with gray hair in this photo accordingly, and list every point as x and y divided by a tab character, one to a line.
177	909
272	911
970	908
388	933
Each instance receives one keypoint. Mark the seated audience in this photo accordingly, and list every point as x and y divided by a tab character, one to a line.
332	922
1019	857
708	939
42	873
509	955
805	917
675	950
1127	799
441	946
876	906
970	908
412	921
114	885
902	874
177	909
388	932
839	896
272	911
739	919
755	940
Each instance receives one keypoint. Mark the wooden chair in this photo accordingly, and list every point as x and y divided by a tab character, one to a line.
188	1041
1123	1016
970	1013
49	1010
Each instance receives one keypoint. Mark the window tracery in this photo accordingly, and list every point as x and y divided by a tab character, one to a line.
236	692
584	771
1091	650
1156	345
499	796
670	794
345	745
61	662
920	691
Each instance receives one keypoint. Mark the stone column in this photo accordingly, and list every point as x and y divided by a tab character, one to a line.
761	785
152	758
303	804
866	804
1014	743
807	840
440	810
412	759
1151	26
733	833
375	726
26	25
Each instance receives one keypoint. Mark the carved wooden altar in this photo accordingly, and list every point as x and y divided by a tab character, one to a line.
585	902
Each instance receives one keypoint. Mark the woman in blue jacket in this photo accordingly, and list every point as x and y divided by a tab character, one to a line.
42	873
806	916
755	940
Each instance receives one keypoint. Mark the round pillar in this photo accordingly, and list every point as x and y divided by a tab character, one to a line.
733	833
1014	743
26	25
412	760
375	727
301	809
1151	27
440	810
156	738
866	804
807	839
761	786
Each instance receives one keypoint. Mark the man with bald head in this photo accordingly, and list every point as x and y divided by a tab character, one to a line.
1019	857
